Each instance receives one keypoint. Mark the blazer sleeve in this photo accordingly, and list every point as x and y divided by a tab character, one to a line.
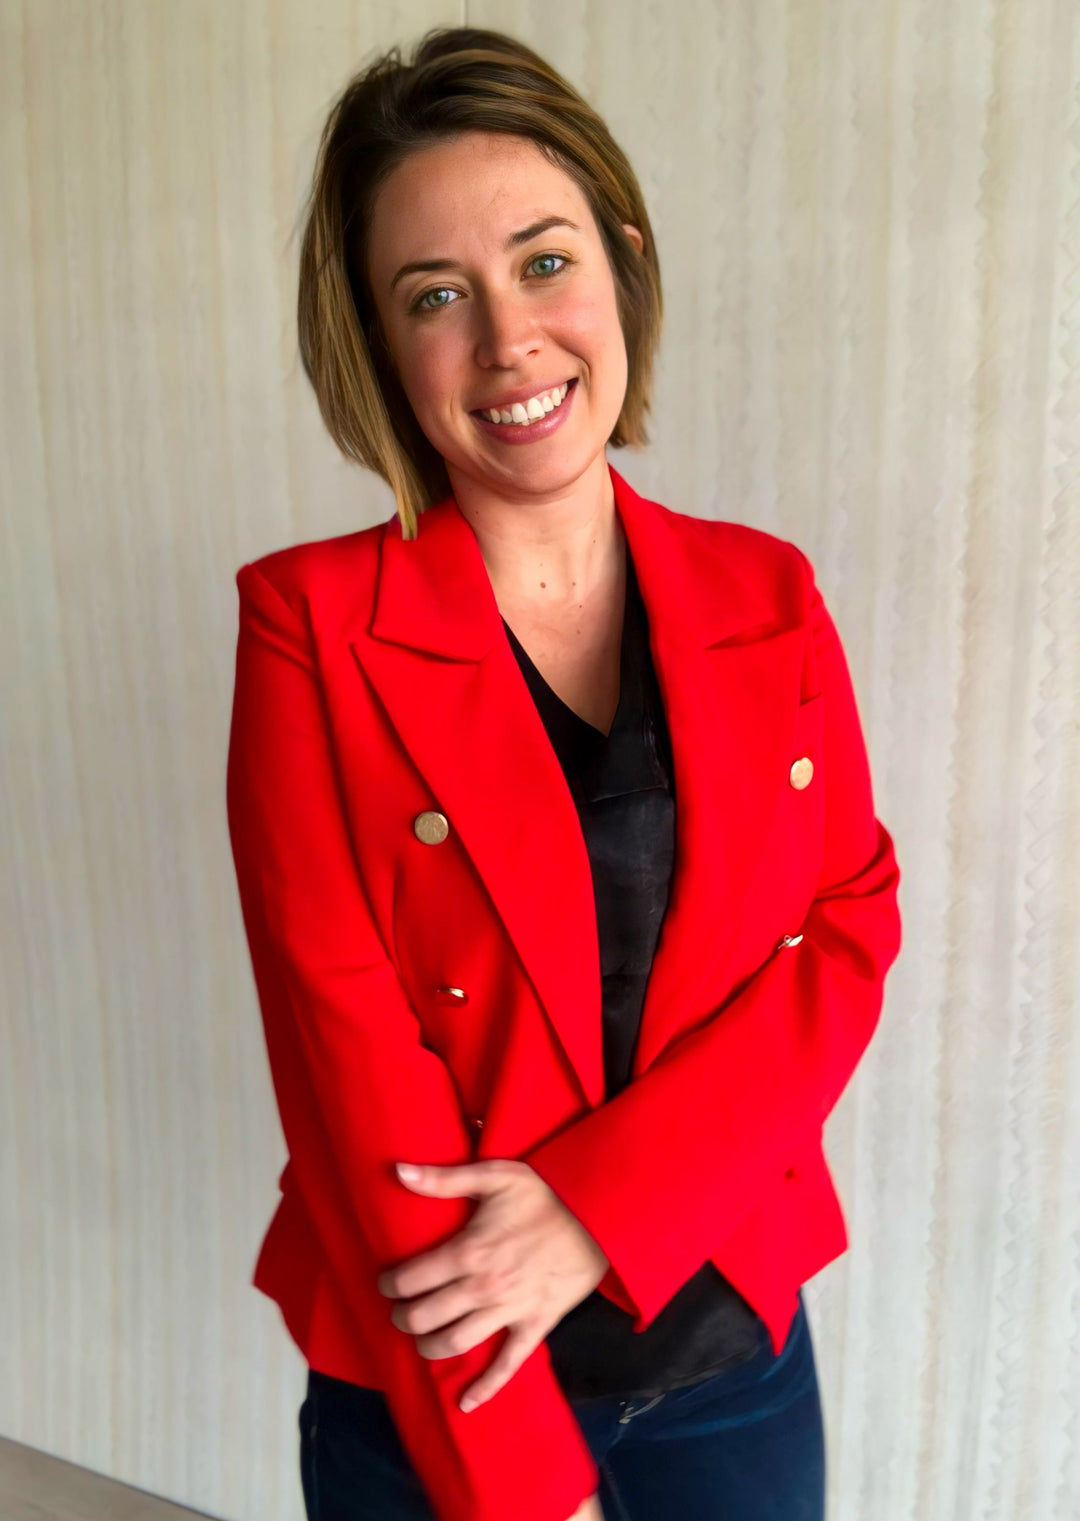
728	1107
357	1090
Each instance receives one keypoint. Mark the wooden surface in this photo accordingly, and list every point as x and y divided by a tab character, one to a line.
35	1486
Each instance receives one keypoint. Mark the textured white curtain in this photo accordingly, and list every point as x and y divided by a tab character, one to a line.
869	229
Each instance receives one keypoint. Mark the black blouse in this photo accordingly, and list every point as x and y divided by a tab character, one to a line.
622	785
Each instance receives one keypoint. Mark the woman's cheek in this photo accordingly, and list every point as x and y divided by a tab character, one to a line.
428	387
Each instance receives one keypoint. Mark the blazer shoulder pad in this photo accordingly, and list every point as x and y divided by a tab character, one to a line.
319	570
765	558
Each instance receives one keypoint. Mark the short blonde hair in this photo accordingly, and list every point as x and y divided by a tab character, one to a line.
459	79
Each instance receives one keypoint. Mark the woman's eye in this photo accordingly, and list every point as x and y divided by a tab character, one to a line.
419	305
549	256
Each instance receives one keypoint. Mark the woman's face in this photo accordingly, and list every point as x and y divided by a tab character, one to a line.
499	321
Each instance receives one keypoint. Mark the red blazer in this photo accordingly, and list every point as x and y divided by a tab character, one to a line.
375	688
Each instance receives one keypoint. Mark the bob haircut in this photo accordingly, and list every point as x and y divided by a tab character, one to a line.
459	79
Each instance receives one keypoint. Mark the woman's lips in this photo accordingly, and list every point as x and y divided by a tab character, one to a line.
522	433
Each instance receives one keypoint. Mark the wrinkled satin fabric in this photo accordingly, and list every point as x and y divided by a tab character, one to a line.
622	784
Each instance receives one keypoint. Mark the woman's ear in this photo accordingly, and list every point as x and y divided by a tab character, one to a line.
634	234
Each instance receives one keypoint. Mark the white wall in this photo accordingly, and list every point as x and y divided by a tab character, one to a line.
869	229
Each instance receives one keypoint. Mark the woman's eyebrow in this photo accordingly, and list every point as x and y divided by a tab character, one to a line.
533	230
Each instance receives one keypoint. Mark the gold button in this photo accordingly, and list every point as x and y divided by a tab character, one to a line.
474	1122
801	772
451	995
432	828
788	940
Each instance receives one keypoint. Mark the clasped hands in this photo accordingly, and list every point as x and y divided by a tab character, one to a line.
523	1262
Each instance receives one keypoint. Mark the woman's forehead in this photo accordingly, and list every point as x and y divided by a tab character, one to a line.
437	211
451	187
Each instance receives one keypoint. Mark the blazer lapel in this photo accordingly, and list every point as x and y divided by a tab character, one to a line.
437	653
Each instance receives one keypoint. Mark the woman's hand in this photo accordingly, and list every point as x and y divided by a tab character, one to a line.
588	1510
523	1261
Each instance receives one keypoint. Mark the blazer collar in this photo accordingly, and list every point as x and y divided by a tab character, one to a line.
434	593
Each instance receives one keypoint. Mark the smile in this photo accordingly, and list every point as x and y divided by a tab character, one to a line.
528	422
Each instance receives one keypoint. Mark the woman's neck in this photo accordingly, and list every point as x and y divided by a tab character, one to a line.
552	555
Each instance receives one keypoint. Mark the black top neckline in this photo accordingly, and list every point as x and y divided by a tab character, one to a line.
634	755
631	609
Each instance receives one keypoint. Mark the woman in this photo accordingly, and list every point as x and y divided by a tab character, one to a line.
557	854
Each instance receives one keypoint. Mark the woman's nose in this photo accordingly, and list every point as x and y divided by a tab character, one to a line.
506	331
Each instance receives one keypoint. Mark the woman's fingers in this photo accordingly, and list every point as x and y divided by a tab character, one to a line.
520	1342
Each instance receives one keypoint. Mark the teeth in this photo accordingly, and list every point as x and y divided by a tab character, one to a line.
524	413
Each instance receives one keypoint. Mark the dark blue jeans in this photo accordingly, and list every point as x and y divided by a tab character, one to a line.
745	1444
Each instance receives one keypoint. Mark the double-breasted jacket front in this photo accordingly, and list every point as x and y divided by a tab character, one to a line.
418	905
